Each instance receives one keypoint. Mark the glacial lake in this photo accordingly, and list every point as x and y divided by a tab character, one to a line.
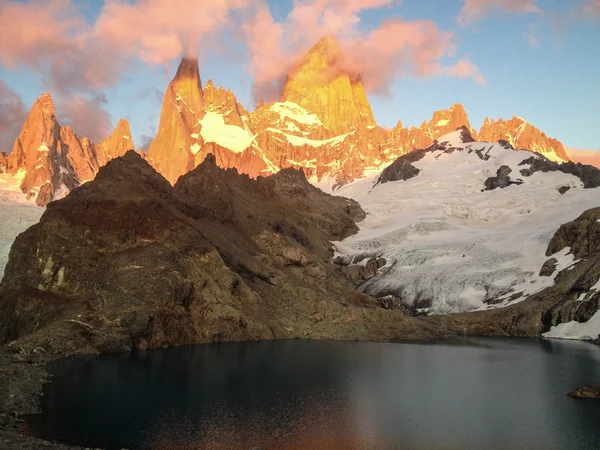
473	393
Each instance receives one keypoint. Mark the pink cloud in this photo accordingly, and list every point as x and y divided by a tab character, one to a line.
78	60
465	68
476	10
12	116
396	47
86	115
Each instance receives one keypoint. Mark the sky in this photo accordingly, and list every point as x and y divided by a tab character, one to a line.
103	60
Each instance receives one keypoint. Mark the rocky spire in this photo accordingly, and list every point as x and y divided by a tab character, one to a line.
118	144
522	135
183	107
322	84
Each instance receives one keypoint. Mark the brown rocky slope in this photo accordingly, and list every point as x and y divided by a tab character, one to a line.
128	261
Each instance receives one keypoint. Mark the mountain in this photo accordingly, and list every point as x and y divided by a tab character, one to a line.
50	160
171	152
322	85
522	135
130	261
465	225
119	143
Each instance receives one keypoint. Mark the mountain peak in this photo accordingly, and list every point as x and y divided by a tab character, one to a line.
46	104
321	84
327	45
188	68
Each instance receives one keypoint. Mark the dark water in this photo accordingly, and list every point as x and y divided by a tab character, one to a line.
484	393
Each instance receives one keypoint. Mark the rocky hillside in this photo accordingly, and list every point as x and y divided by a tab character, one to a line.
128	261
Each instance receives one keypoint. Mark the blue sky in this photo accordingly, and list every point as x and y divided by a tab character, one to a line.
551	80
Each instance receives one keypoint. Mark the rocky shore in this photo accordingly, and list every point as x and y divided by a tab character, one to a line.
22	378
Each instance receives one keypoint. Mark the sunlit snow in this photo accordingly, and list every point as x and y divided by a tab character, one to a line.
214	129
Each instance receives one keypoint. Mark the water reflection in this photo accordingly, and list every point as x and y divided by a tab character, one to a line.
293	394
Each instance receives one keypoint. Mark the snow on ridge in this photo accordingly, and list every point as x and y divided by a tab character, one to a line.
451	244
296	112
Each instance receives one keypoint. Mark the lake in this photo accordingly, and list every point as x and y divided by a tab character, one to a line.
472	393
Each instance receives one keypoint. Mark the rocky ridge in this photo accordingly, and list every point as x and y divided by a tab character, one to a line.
128	261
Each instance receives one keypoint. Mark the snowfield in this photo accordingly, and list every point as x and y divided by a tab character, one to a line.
16	214
452	247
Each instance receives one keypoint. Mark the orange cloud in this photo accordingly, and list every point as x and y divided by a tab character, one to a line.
476	10
591	157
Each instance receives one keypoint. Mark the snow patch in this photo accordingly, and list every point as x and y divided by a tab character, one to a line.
214	129
583	331
295	112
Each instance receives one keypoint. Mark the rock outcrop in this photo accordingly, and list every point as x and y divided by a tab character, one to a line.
589	175
128	261
586	392
522	135
501	180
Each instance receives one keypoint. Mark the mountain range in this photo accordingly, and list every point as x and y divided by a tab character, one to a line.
323	124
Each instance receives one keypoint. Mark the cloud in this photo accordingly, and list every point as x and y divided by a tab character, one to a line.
12	116
78	60
146	141
591	157
152	94
466	69
395	48
86	115
477	10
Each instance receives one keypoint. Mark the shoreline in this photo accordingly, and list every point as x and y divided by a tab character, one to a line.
23	377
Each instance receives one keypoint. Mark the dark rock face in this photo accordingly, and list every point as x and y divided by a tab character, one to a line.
128	261
586	392
564	189
501	180
589	175
402	169
505	144
549	267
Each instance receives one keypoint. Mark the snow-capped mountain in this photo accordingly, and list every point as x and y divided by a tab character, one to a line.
464	225
48	160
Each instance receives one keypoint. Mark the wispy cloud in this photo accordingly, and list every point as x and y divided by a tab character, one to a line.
12	115
477	10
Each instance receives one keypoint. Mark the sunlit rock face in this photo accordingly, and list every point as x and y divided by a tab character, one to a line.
54	159
119	143
321	85
183	105
522	135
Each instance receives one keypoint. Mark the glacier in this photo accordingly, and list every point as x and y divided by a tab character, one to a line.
452	247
